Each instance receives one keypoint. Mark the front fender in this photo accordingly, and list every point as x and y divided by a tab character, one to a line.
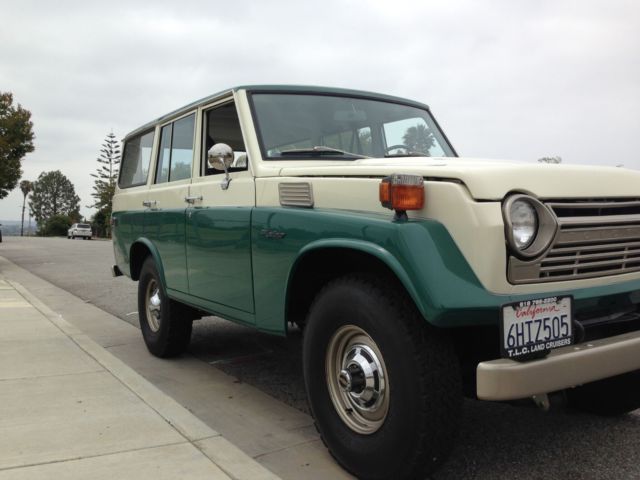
369	248
421	253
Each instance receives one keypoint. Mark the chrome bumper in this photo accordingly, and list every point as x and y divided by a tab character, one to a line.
505	379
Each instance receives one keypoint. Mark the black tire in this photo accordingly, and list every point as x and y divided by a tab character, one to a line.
610	397
423	379
168	333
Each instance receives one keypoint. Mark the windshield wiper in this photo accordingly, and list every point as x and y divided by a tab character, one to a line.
319	151
408	154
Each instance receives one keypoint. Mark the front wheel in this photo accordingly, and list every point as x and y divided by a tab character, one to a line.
383	386
165	324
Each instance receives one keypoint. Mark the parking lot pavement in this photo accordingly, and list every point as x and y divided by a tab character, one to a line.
70	409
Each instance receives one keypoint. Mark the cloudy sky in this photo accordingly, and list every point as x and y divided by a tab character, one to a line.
506	79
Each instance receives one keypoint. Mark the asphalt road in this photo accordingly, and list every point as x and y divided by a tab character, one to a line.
496	441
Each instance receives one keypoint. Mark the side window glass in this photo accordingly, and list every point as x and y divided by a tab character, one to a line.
164	154
223	126
175	154
182	148
135	161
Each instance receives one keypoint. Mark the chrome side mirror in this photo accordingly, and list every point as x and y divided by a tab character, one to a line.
220	157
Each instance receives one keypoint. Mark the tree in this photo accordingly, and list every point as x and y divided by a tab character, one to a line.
106	178
56	226
53	194
419	139
16	140
550	160
100	222
26	186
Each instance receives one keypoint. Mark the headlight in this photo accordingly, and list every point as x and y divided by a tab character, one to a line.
524	223
530	226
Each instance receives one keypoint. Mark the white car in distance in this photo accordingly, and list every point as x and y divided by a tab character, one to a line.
82	230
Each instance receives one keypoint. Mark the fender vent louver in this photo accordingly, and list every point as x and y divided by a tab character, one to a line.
299	194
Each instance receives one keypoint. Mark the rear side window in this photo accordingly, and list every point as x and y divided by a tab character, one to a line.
135	160
175	154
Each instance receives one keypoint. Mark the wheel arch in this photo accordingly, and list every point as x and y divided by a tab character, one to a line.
329	259
139	251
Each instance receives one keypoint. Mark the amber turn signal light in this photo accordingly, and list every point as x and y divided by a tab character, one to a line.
402	192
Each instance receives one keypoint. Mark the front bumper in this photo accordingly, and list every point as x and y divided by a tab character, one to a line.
505	379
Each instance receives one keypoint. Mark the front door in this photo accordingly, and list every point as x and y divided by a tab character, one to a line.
219	221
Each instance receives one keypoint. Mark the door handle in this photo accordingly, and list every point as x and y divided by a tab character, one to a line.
149	203
193	200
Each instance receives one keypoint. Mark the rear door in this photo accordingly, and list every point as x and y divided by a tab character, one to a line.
165	218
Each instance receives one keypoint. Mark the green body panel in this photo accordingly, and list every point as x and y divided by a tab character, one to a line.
129	226
421	253
219	256
166	229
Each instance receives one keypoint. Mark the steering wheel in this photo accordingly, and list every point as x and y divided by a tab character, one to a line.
394	147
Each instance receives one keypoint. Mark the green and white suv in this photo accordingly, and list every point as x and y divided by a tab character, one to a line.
417	276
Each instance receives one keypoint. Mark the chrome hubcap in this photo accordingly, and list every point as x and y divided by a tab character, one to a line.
153	303
357	379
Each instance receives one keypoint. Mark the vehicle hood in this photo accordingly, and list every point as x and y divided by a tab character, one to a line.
487	179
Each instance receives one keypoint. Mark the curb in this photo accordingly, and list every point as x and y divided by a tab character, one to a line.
229	458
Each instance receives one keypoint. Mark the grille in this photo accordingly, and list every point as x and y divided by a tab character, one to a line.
595	238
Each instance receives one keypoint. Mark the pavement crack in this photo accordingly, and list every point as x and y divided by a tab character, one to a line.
286	448
83	457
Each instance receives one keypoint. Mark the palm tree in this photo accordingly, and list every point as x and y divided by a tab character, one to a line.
419	138
26	186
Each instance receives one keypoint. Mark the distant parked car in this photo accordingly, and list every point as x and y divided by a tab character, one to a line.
82	230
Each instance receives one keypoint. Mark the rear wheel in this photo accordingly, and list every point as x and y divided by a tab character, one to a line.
165	323
383	386
609	397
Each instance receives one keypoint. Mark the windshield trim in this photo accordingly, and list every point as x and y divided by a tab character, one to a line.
320	93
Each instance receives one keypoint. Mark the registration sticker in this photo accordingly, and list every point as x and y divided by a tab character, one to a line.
532	328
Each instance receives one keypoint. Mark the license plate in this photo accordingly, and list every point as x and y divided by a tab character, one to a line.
532	328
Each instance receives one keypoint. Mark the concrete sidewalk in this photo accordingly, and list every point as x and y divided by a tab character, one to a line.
70	409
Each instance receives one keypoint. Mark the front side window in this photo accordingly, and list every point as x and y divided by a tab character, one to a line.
223	126
175	154
292	125
135	160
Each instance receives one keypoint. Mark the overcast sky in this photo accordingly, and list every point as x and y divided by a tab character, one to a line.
506	79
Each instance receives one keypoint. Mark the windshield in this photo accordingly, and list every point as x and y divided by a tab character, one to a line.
308	126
